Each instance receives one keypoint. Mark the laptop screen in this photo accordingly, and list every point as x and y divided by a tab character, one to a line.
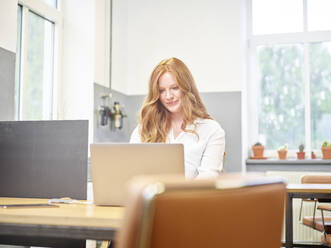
112	165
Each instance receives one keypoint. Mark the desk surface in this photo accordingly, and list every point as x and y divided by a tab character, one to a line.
309	188
72	214
85	221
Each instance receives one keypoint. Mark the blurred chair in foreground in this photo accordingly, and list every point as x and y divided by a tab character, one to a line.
321	222
229	211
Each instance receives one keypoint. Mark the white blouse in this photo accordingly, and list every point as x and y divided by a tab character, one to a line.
203	155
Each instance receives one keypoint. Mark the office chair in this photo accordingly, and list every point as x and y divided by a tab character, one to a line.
314	179
320	223
325	226
229	211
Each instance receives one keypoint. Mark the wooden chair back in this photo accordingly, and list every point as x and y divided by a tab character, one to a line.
229	211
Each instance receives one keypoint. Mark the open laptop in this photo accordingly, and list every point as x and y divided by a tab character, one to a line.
112	165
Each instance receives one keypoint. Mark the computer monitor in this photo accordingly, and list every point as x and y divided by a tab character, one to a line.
44	159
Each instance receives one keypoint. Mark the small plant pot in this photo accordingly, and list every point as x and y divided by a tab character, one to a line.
326	152
313	155
282	154
301	155
258	151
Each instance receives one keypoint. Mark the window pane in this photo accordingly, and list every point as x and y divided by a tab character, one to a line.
281	101
18	61
319	17
37	87
52	3
281	16
320	79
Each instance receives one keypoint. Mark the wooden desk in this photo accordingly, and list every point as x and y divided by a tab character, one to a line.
302	191
68	221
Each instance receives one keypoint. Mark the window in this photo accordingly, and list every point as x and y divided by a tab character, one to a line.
271	17
320	92
18	61
281	105
36	67
319	15
52	3
290	72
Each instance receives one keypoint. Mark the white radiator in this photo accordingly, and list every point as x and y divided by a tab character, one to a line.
300	231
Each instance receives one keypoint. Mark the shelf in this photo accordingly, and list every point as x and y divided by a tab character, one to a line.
314	165
289	161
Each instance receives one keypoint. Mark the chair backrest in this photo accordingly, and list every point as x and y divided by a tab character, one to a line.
230	211
316	179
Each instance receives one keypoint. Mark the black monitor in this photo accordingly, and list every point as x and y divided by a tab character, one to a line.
44	159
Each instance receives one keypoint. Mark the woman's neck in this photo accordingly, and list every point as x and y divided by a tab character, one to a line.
177	117
176	123
176	120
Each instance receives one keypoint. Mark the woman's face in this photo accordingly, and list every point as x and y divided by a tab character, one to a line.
170	94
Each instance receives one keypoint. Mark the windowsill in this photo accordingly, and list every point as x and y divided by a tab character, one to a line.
313	165
290	161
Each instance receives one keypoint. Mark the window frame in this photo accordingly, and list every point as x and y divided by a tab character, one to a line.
253	41
55	16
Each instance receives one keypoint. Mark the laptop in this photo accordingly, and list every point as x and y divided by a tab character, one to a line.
112	165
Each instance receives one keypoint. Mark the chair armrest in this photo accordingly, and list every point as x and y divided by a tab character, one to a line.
324	207
307	200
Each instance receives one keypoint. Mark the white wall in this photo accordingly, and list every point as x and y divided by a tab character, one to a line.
207	35
102	42
8	24
99	41
119	77
78	61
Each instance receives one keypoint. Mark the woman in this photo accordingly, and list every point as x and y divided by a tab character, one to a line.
174	113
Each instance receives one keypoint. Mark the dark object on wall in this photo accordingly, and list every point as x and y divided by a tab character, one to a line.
104	115
46	159
115	113
116	116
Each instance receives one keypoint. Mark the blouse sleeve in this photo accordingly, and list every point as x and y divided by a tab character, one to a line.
135	136
212	158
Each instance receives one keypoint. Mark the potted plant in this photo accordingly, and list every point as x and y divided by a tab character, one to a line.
301	154
282	152
326	150
313	155
258	150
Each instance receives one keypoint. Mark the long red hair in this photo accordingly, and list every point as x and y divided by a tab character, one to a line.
154	118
